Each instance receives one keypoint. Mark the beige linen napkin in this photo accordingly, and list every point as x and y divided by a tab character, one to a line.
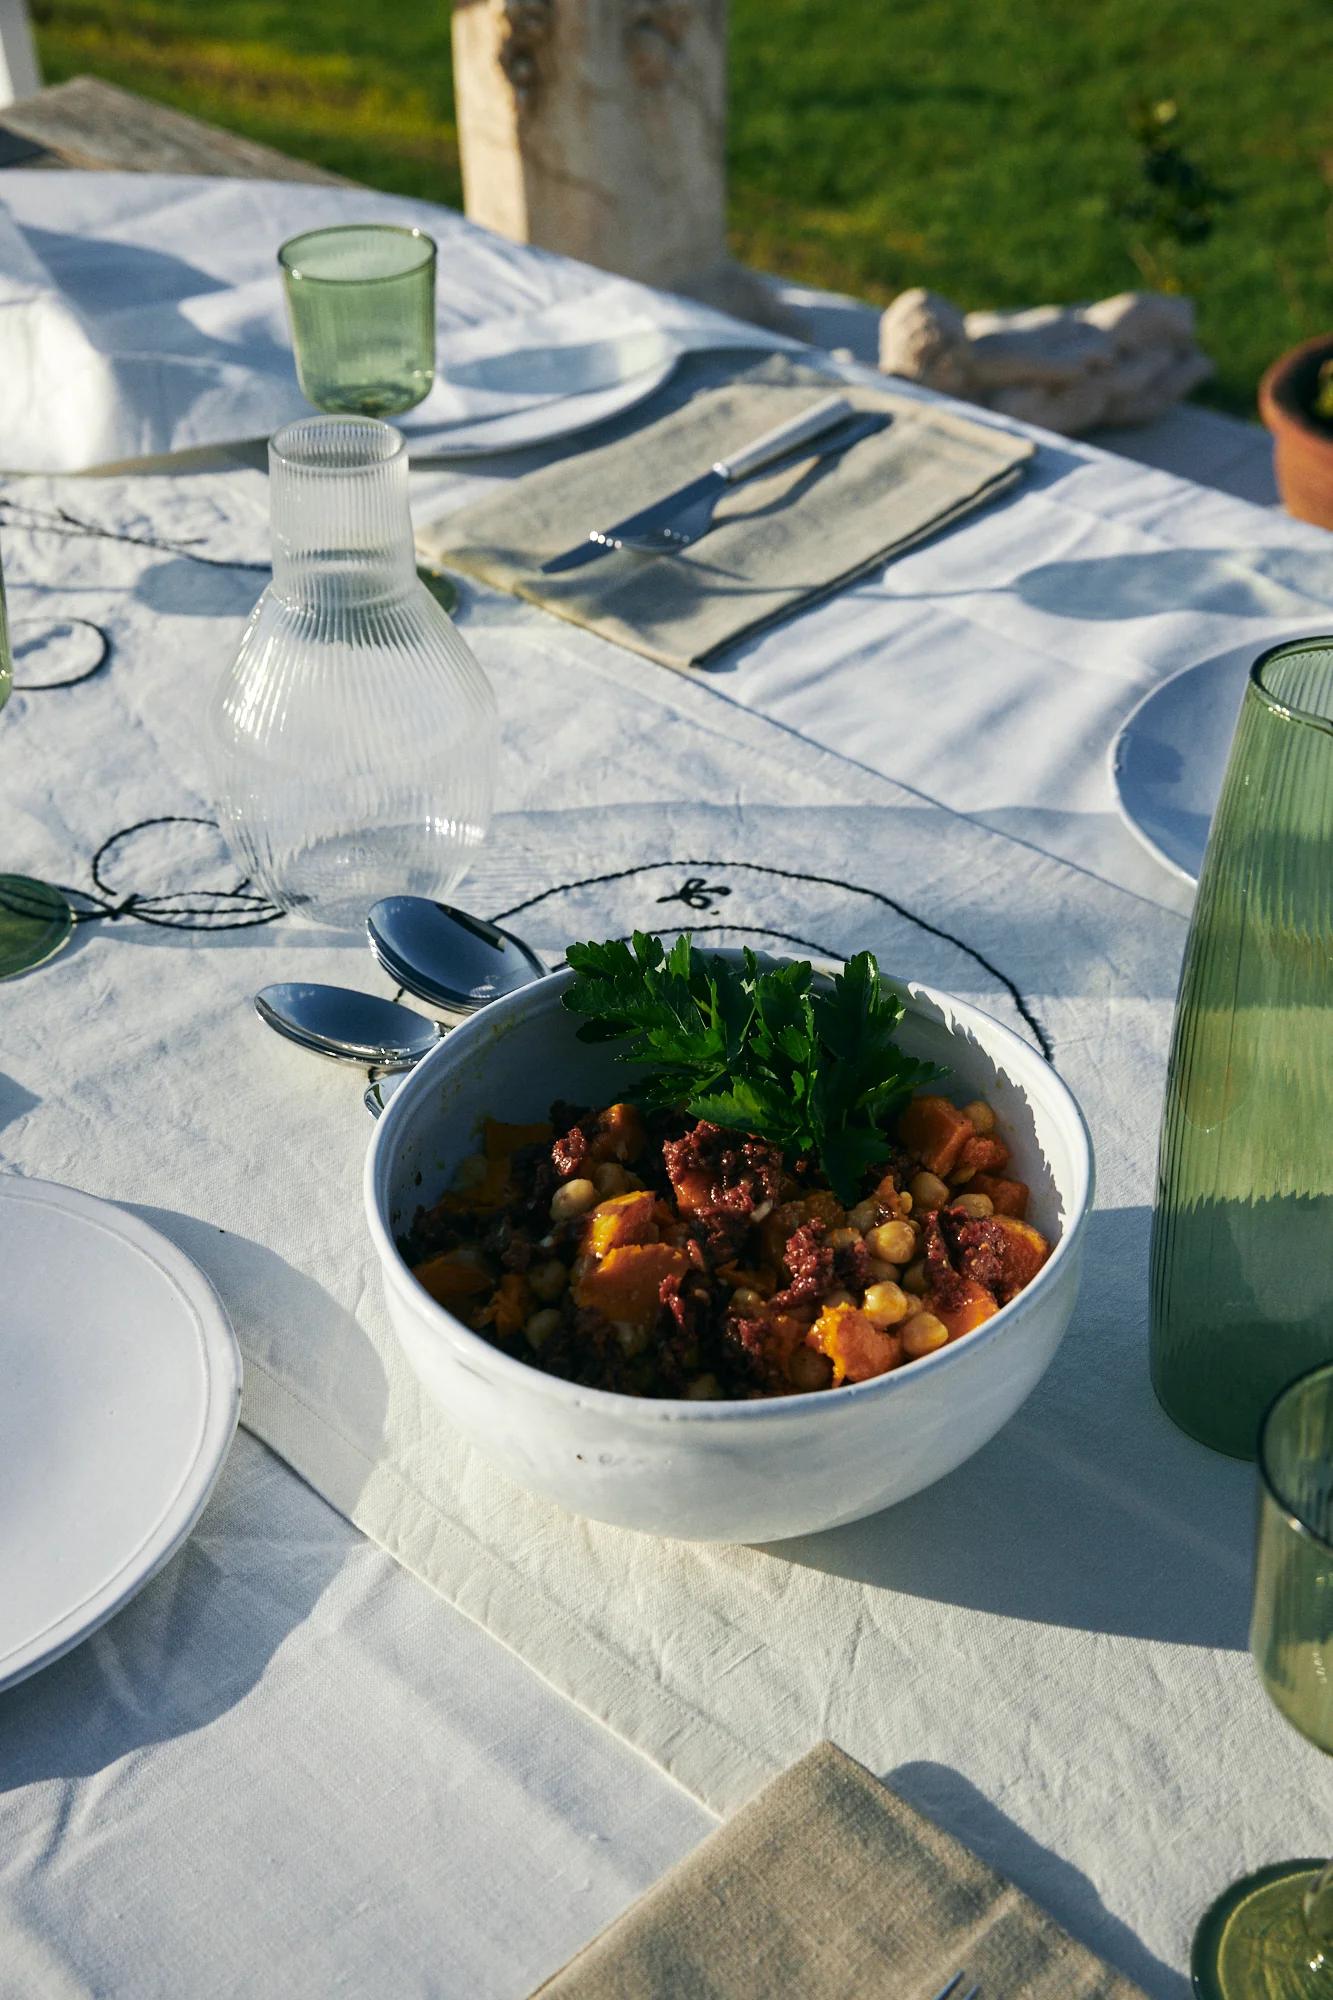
830	1887
778	542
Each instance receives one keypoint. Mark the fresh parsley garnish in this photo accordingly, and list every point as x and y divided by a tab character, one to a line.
814	1069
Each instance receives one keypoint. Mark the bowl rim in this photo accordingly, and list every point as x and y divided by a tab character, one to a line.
668	1409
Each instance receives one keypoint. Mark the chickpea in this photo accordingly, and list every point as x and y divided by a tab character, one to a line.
633	1339
914	1278
880	1273
980	1116
471	1172
922	1334
864	1216
976	1207
886	1304
961	1176
746	1300
928	1191
840	1298
842	1239
704	1389
809	1370
894	1242
609	1179
904	1204
572	1198
541	1325
547	1281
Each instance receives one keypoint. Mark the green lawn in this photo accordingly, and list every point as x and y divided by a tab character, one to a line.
975	146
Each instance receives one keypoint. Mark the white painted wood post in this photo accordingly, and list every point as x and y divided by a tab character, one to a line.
598	128
19	74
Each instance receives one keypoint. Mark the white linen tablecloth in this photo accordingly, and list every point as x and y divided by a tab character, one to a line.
1046	1651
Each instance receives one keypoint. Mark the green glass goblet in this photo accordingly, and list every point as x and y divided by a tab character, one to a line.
1270	1937
361	300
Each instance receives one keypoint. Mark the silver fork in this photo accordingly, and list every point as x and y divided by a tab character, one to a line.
694	521
950	1990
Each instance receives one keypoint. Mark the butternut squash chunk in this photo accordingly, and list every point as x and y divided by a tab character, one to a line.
936	1131
1006	1197
857	1348
626	1283
1025	1251
448	1277
982	1156
625	1218
619	1134
970	1305
510	1306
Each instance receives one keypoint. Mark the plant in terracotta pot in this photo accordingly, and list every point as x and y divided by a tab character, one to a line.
1296	403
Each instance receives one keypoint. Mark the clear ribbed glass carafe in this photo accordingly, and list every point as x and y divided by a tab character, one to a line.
1242	1250
353	738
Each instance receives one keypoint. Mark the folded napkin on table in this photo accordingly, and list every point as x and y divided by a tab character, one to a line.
830	1887
779	541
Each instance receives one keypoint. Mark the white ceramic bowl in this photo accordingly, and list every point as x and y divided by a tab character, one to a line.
721	1471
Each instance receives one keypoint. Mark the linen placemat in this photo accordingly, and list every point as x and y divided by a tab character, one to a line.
779	541
830	1886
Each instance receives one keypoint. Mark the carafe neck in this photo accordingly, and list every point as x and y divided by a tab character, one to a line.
341	530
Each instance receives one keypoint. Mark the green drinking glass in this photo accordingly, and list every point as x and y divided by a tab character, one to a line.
1270	1937
1241	1270
361	300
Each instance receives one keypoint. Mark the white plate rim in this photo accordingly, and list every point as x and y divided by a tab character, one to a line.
559	417
1115	757
223	1371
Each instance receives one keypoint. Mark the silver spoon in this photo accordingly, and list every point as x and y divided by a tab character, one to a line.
348	1027
447	957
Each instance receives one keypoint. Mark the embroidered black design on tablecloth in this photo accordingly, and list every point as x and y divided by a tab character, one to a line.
20	514
696	894
1025	1011
100	648
192	909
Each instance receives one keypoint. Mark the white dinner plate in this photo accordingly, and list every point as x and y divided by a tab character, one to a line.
532	395
1169	759
120	1387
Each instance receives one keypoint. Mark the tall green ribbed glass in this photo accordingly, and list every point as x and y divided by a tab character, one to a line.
1270	1936
1242	1248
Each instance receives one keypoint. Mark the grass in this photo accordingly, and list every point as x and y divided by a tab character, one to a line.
974	146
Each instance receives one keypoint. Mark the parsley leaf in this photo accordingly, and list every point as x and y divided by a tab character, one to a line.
812	1068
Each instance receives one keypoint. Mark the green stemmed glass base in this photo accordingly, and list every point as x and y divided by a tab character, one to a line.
35	922
1254	1944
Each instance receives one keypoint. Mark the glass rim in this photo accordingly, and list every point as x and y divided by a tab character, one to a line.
325	425
1286	709
287	250
1291	1513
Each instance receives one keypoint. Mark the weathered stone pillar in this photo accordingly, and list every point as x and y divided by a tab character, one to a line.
598	128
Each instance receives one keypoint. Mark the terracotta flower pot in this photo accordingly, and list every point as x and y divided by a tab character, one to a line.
1303	448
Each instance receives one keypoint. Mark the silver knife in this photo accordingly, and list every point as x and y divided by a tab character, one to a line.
742	464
